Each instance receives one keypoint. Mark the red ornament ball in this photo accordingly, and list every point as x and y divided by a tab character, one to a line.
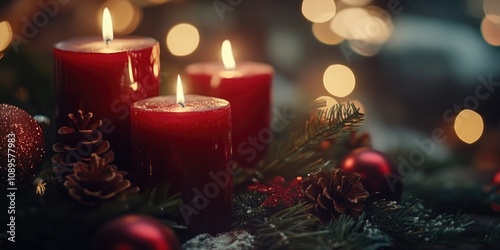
21	145
378	173
495	183
496	179
136	232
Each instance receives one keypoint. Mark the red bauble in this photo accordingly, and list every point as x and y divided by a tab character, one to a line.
495	183
496	180
21	146
378	173
136	232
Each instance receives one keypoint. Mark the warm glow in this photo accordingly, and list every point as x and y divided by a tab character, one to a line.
126	15
180	92
378	27
468	126
339	80
130	70
490	33
346	21
356	2
492	10
183	39
133	83
324	34
227	55
325	102
364	49
318	11
107	26
5	35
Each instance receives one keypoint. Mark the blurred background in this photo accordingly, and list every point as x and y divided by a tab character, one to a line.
411	66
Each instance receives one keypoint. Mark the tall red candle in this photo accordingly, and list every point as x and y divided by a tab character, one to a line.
247	86
189	147
105	78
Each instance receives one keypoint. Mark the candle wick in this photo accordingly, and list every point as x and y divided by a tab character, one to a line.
107	41
182	104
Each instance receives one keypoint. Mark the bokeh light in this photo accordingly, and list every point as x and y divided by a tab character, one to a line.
126	16
364	48
490	33
324	34
356	2
326	102
343	22
381	28
318	11
468	126
183	39
5	35
492	10
339	80
157	2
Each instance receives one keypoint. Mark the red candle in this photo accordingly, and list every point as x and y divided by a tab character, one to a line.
105	76
187	144
247	86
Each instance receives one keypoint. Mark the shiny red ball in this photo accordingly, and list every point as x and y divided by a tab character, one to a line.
21	146
495	183
496	179
377	173
136	232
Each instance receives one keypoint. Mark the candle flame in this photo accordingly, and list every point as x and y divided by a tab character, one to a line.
227	55
107	26
180	92
133	83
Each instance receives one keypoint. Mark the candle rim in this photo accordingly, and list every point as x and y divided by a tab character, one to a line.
211	67
171	105
75	44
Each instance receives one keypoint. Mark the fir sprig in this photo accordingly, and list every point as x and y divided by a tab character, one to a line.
488	234
347	233
411	222
289	227
297	155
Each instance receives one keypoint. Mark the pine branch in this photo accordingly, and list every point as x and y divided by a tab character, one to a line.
412	223
247	210
489	234
289	227
292	227
299	151
346	233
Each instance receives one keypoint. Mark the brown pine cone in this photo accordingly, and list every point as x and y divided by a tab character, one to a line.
78	142
92	183
334	194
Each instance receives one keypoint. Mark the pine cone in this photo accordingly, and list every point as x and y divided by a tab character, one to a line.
78	142
334	194
92	183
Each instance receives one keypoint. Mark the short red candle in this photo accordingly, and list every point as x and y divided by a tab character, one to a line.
105	79
248	89
190	148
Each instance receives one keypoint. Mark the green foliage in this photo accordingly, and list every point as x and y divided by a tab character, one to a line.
276	228
488	234
54	221
297	155
347	233
411	223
